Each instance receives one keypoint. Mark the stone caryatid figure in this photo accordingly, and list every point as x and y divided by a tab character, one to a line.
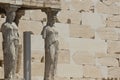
50	36
10	43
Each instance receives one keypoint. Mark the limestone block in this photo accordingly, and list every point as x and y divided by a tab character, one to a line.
63	29
37	55
81	31
37	69
88	45
112	9
37	77
114	24
94	20
65	4
63	15
34	26
63	43
107	33
114	18
83	58
74	16
69	70
109	2
92	71
1	73
64	57
80	5
99	55
37	15
114	47
104	71
86	79
114	72
26	16
108	61
61	78
37	43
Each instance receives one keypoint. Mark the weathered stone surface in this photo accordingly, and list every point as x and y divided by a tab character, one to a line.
87	79
110	2
69	70
37	15
62	78
37	77
64	56
34	26
114	18
81	5
94	20
99	55
113	24
33	3
1	73
108	61
64	15
37	55
83	58
76	5
92	71
114	72
63	29
37	43
87	45
37	69
114	47
112	9
75	17
104	71
107	33
63	43
64	4
97	43
26	16
81	31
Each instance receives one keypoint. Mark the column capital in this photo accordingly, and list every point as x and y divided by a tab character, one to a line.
51	13
10	7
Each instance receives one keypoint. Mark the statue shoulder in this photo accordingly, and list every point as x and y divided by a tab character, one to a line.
14	26
5	26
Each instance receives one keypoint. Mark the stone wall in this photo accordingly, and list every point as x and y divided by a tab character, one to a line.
89	36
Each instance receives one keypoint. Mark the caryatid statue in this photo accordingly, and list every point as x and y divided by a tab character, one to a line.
50	36
10	43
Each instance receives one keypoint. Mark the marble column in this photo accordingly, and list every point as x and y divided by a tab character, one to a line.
50	36
10	43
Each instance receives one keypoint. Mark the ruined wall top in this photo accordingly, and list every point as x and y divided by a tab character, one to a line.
33	3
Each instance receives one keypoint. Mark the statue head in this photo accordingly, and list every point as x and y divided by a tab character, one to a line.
10	14
10	17
52	21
